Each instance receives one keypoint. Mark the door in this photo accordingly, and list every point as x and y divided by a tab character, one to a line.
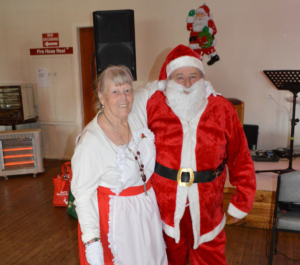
56	100
87	48
45	93
63	88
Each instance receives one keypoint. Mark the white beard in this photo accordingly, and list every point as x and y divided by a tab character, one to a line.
199	24
186	106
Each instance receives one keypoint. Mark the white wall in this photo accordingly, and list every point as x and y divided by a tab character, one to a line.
252	36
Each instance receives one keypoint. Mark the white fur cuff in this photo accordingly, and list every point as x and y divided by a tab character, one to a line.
190	19
235	212
194	46
94	253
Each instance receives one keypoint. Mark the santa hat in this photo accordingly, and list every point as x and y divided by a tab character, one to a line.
203	9
181	56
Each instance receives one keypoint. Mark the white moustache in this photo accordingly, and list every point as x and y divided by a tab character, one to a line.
186	106
200	84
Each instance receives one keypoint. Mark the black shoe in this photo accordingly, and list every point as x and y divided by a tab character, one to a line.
213	59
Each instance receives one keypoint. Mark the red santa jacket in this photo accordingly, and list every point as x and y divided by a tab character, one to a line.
219	136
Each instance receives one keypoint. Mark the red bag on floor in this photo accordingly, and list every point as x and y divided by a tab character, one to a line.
62	186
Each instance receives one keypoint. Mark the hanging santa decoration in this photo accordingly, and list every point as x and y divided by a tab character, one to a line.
203	31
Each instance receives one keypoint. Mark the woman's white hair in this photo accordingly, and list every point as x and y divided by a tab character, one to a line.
119	75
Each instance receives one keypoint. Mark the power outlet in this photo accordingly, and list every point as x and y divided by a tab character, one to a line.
270	95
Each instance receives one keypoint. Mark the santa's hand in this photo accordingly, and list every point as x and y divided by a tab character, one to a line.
236	220
210	90
94	253
205	29
192	13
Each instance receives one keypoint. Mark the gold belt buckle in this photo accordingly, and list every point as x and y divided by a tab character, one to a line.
185	184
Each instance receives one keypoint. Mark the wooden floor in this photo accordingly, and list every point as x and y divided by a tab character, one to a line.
33	232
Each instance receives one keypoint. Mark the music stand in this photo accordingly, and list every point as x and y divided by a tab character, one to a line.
286	80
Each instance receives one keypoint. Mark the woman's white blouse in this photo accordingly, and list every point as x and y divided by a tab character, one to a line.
99	162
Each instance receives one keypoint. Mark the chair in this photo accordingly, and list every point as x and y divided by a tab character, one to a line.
239	106
287	217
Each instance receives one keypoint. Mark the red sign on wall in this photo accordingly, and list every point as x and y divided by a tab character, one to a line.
52	51
50	40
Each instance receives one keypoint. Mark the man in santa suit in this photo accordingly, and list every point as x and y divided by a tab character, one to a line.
199	139
203	31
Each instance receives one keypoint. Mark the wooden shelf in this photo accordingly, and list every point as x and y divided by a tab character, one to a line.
14	123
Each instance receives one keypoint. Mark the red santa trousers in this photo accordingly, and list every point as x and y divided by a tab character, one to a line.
103	200
206	51
209	253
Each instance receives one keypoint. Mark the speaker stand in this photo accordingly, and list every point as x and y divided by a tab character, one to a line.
286	80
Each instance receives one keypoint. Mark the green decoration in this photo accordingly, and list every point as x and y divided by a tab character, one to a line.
192	13
209	38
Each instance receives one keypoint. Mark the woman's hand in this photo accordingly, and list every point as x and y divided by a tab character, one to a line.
94	253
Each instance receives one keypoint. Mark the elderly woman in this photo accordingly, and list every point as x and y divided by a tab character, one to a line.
112	165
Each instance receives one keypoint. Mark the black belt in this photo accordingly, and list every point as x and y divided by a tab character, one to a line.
186	176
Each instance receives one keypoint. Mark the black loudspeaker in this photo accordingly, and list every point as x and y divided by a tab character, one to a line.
251	132
114	37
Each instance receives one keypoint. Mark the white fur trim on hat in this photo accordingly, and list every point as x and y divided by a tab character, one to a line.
184	61
200	10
